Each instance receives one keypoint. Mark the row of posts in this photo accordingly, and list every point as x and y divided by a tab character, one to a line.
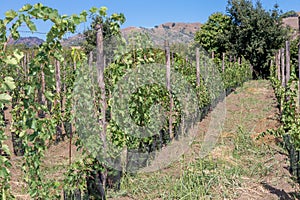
168	78
283	65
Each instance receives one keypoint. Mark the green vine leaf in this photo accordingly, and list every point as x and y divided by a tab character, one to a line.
93	10
18	55
31	25
11	14
102	11
9	83
5	98
26	7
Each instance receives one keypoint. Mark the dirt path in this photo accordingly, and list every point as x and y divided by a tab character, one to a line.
243	167
254	108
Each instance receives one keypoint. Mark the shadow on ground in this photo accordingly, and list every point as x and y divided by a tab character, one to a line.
281	194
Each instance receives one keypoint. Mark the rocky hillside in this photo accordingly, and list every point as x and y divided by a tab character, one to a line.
171	31
75	40
174	32
27	41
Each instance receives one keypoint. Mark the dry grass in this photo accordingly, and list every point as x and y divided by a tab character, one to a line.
239	167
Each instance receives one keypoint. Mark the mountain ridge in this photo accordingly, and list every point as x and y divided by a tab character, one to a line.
30	41
173	31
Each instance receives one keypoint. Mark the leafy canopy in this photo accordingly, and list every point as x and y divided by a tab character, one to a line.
247	30
256	33
213	35
110	26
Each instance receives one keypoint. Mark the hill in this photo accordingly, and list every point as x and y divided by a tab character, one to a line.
171	31
75	40
175	32
27	41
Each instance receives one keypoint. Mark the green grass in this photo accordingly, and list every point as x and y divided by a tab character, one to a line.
208	178
231	169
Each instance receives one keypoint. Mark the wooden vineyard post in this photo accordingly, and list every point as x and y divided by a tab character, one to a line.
282	67
277	61
43	89
168	84
90	63
91	60
198	66
68	126
223	62
212	55
41	93
27	65
271	63
24	65
57	78
101	84
204	73
282	63
288	65
58	100
100	72
64	87
239	60
74	64
104	60
299	69
96	178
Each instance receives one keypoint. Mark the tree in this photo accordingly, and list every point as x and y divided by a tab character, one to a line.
213	35
255	33
111	33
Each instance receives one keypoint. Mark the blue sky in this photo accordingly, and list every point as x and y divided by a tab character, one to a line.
146	13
